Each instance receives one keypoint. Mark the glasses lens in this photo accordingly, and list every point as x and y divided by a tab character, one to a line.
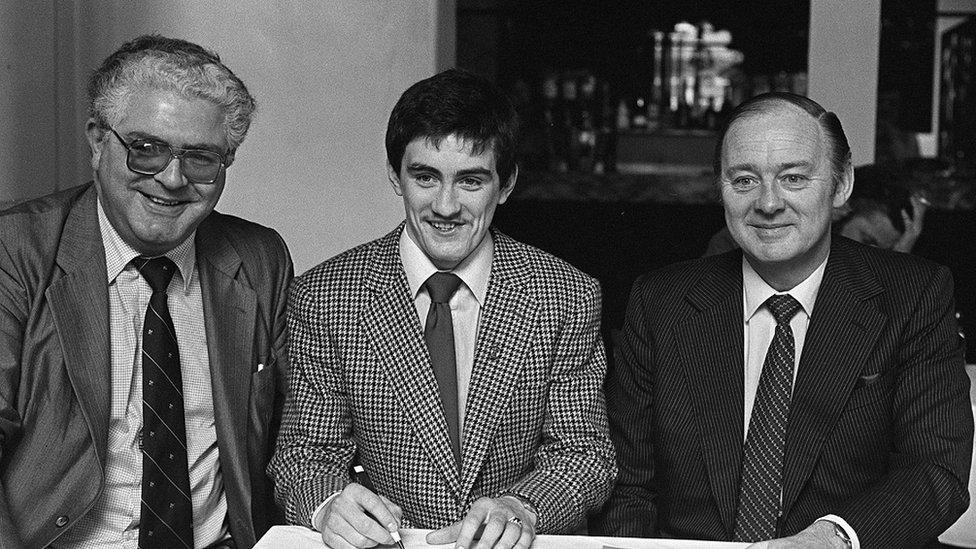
200	166
148	157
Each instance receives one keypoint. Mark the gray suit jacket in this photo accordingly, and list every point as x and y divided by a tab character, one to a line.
535	420
55	363
879	429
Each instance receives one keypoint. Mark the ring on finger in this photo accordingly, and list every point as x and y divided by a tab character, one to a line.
515	520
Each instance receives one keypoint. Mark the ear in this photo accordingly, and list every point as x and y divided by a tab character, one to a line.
844	187
95	133
506	191
394	178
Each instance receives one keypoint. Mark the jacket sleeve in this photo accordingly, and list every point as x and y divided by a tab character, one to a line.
575	467
632	510
315	444
12	318
925	488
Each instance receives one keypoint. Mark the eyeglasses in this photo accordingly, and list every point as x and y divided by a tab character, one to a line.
150	156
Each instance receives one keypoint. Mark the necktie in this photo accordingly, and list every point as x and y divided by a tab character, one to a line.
167	512
762	460
439	335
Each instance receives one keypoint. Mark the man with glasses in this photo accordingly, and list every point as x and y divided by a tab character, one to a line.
142	335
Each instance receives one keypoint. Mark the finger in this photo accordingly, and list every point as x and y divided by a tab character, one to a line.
339	534
444	535
511	535
470	525
525	540
394	509
494	529
377	507
349	510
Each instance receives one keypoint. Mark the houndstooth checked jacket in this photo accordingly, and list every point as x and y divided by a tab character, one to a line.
535	423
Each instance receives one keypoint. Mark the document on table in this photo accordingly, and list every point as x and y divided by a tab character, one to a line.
299	537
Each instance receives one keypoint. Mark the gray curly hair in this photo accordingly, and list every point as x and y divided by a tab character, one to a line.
157	62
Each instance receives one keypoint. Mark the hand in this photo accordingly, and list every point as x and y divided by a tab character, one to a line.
913	225
345	524
500	529
818	535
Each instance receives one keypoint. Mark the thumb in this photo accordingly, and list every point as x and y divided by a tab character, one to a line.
445	535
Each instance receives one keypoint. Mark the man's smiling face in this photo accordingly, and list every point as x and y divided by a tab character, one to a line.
450	195
156	213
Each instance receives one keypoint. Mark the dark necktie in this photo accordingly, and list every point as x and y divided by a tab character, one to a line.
439	334
167	512
762	460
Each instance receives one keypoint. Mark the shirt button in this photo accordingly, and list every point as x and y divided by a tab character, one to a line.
61	521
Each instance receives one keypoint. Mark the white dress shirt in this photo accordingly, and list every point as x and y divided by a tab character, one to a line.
760	326
113	521
466	303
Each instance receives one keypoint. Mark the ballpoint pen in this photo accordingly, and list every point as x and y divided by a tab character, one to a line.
362	477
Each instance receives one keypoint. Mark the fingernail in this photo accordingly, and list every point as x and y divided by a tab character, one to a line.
394	534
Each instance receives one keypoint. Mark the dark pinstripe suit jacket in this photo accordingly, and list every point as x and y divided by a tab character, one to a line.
535	421
55	363
879	429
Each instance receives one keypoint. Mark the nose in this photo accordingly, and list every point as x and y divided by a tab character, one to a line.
446	203
172	176
770	199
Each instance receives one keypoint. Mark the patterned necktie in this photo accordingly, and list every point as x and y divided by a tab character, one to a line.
439	335
167	512
762	460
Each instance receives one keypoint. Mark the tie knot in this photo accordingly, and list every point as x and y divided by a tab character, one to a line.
783	307
441	286
157	271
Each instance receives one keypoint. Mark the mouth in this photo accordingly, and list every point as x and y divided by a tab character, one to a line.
164	202
770	229
445	227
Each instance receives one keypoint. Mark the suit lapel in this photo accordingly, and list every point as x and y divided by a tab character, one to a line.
507	324
394	333
842	332
711	345
79	305
229	310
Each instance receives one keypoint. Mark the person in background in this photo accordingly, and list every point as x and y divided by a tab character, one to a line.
806	390
881	212
143	357
462	369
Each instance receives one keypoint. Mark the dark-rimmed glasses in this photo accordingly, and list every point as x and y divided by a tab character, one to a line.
151	156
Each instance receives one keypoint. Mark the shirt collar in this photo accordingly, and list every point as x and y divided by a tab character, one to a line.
118	253
474	270
756	291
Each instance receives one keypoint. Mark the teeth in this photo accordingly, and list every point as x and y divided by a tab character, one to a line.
163	202
443	226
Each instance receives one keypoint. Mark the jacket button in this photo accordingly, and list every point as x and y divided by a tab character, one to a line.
61	521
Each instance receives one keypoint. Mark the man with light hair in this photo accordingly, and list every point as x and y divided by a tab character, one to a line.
143	355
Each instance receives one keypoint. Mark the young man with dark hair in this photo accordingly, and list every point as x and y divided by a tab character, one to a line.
462	369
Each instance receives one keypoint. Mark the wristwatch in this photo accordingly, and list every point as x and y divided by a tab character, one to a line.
842	534
524	501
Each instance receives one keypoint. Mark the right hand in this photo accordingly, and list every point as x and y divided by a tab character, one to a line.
344	523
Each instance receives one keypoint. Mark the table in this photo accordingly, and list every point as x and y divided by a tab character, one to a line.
299	537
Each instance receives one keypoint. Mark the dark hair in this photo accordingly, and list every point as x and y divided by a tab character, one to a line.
840	150
156	62
460	103
882	189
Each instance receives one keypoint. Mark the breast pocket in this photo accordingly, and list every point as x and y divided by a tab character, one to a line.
262	396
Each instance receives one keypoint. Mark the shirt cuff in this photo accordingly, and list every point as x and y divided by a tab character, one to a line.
317	514
855	542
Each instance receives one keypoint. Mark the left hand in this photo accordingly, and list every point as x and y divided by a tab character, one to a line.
507	524
818	535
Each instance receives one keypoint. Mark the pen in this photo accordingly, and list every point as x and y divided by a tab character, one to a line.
363	478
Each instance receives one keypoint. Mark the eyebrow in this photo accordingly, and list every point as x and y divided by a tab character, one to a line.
782	167
420	167
198	146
